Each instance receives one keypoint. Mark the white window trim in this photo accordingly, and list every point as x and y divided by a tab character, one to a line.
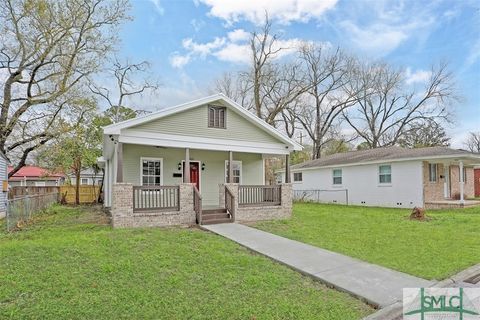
384	184
81	181
293	177
151	159
436	173
341	176
241	170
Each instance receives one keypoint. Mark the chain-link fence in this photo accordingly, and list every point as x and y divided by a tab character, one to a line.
326	196
21	210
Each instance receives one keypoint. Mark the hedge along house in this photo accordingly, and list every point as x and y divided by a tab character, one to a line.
199	162
390	177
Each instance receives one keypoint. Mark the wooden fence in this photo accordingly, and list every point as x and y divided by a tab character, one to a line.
20	192
88	194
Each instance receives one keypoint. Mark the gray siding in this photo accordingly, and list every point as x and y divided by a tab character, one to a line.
194	122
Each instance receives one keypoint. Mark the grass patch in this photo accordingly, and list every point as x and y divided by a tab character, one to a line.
71	264
435	249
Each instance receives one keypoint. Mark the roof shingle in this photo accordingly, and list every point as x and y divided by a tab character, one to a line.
379	154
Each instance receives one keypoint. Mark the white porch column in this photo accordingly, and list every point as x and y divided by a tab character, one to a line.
462	183
119	162
186	173
287	168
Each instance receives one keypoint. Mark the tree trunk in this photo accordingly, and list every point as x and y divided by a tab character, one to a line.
78	169
100	192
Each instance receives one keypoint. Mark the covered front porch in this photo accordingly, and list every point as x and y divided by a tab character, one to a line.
158	186
449	183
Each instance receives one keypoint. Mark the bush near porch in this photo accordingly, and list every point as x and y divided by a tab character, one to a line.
433	249
71	264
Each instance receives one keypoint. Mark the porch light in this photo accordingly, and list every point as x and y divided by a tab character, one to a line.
179	166
203	166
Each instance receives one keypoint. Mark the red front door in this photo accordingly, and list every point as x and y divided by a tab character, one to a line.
477	182
194	173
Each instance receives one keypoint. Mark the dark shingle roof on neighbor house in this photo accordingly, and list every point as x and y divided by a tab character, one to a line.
380	154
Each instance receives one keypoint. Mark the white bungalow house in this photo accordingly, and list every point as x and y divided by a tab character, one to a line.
389	177
201	161
88	177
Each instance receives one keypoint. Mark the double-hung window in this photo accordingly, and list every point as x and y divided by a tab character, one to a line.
151	172
236	169
432	172
337	176
385	174
297	177
216	117
84	181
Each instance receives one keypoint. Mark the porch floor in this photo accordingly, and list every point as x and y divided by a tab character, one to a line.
212	207
451	203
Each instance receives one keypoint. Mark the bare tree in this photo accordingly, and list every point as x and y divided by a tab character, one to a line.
473	142
385	107
264	48
47	50
268	87
237	87
282	89
124	75
327	76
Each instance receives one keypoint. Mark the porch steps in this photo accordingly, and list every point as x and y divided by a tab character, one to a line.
214	216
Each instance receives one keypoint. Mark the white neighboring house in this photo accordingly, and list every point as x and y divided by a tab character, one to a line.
88	177
389	177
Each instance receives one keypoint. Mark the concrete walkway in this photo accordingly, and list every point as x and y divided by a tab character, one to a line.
377	285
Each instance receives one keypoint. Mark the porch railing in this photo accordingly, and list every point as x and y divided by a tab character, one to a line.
197	204
163	198
259	195
230	202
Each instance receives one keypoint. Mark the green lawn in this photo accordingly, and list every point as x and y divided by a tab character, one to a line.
70	265
448	243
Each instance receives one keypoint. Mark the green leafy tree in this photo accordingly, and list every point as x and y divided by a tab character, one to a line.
77	149
363	146
424	134
336	146
297	157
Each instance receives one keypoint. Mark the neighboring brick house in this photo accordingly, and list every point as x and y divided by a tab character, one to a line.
200	162
476	176
391	177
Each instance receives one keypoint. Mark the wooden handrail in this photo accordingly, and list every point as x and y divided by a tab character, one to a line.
259	195
197	204
230	202
163	198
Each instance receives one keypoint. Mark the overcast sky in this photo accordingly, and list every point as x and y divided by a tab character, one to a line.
190	43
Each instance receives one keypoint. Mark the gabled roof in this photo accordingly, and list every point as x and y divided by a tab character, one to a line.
385	154
33	172
115	129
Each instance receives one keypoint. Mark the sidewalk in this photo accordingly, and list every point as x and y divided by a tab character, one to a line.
377	285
